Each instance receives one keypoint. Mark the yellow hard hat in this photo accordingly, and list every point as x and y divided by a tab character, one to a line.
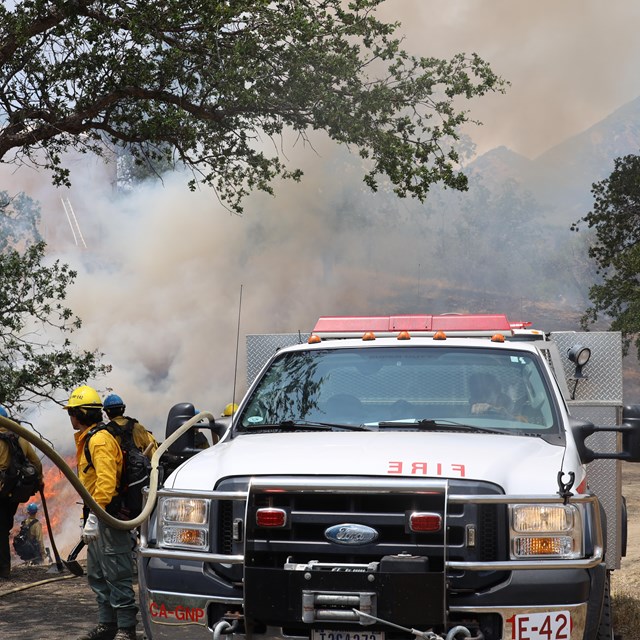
84	396
230	409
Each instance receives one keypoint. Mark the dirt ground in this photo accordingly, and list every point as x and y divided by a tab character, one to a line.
61	607
57	606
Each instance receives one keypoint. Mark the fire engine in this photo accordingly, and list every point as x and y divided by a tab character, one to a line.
385	477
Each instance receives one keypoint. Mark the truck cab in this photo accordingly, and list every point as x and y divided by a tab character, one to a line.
394	476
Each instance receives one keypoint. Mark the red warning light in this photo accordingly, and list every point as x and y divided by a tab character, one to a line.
271	517
425	522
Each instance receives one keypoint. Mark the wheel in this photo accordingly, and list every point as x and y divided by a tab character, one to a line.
605	630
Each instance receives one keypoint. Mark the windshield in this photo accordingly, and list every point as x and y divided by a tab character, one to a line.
397	387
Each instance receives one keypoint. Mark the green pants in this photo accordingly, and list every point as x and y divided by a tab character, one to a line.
110	575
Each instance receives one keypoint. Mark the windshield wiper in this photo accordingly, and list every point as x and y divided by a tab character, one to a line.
429	423
308	425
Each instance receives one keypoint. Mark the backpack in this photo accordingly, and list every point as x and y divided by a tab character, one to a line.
20	480
136	470
24	543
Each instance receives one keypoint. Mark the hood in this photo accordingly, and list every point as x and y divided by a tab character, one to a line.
519	464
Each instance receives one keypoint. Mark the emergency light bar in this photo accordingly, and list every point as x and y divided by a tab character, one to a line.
467	325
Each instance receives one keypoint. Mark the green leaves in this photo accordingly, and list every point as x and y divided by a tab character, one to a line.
19	218
36	358
615	220
215	81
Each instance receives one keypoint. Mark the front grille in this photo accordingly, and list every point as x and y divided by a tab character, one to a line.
472	532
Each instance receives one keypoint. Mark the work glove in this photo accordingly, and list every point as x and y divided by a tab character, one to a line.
90	529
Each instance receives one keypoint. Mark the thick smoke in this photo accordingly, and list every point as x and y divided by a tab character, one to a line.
570	63
159	282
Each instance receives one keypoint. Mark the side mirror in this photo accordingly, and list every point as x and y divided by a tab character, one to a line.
630	430
189	443
178	415
581	431
631	434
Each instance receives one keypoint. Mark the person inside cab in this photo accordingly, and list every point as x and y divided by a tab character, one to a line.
486	395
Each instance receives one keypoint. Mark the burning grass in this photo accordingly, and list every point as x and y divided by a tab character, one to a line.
64	505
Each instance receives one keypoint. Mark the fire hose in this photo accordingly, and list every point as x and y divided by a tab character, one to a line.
31	585
69	473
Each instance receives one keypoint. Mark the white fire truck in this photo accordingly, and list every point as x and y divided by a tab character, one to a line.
392	477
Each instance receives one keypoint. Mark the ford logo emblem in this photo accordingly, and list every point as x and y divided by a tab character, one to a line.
353	534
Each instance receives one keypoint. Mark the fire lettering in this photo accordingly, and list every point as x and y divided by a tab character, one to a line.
418	468
425	468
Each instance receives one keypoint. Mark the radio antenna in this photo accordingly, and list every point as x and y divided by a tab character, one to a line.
235	368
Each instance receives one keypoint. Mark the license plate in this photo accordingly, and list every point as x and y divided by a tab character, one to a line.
330	634
555	625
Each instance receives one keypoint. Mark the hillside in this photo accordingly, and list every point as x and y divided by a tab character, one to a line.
560	179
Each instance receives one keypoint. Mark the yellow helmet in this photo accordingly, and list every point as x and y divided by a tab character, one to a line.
84	396
230	409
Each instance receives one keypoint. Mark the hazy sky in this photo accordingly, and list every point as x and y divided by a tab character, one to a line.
158	286
570	62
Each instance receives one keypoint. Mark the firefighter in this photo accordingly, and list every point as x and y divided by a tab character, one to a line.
109	562
114	408
229	410
9	506
33	550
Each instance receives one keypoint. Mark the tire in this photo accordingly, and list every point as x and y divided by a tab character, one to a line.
605	629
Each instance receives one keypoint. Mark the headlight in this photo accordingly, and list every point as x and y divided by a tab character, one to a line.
546	531
184	523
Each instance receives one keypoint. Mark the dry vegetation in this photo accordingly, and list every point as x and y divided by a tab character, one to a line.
626	581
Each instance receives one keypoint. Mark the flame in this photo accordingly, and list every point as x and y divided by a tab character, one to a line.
63	505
